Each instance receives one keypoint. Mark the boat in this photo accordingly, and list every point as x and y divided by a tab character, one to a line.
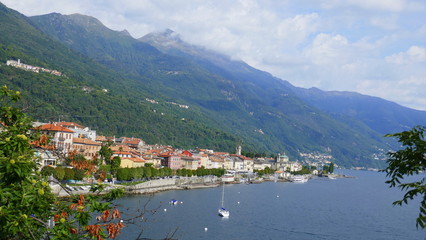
222	211
173	202
299	179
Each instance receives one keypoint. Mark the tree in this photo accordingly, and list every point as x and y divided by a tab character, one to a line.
78	174
106	152
331	167
409	161
115	165
47	171
26	200
123	174
59	173
69	174
24	196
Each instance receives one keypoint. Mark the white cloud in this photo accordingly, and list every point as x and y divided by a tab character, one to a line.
327	49
414	54
383	5
386	22
371	5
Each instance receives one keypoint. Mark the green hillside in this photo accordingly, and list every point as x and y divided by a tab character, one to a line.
80	95
232	96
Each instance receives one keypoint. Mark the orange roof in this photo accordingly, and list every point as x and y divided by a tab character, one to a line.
134	141
101	138
216	159
54	128
85	141
152	151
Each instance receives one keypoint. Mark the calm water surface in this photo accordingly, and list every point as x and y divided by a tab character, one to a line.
346	208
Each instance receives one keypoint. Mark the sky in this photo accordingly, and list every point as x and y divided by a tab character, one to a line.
373	47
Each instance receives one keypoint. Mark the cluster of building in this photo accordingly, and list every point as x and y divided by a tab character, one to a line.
31	68
67	137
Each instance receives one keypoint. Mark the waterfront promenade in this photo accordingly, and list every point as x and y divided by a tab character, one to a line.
147	187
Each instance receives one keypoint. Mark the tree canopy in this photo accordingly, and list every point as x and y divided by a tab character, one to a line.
28	208
409	161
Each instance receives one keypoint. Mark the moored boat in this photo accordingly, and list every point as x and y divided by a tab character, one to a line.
299	179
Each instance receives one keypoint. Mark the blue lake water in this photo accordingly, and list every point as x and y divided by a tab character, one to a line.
344	208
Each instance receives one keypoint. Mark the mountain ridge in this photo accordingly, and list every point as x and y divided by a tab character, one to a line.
249	102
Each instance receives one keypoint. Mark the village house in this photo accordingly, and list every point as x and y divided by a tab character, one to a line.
152	157
216	161
171	160
86	147
262	163
61	137
134	143
132	162
79	130
242	163
203	158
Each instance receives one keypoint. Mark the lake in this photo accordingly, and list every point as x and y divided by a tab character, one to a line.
344	208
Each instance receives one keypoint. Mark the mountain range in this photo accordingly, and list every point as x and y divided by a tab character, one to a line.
167	91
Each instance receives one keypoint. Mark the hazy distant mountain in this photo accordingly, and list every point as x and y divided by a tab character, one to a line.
265	113
380	115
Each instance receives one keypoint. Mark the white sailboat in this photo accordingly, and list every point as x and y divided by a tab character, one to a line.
222	211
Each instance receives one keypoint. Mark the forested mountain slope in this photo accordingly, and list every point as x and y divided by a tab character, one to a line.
91	93
260	109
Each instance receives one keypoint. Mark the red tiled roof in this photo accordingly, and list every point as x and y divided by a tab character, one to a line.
216	159
54	128
85	141
134	141
101	138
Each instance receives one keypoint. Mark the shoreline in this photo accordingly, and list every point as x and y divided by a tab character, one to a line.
161	185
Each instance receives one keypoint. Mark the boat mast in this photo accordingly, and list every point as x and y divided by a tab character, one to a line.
223	193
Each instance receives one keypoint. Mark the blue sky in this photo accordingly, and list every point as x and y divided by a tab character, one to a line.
374	47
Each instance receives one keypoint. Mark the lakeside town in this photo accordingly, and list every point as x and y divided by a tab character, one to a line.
69	140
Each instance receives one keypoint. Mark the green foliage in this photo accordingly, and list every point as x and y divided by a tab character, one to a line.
79	174
331	167
328	168
59	173
115	165
106	152
123	174
25	197
305	170
26	200
69	174
47	171
265	171
409	161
